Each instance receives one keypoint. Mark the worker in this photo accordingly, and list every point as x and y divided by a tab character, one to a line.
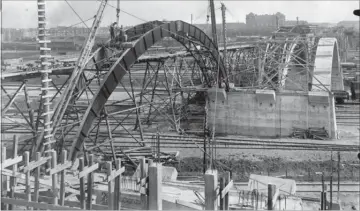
123	36
112	30
352	89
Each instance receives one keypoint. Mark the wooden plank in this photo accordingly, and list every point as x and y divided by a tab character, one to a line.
90	182
227	189
60	168
62	177
54	177
82	185
43	206
88	170
14	168
116	173
10	162
27	178
35	164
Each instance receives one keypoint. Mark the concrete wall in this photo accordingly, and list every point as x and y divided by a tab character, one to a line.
264	113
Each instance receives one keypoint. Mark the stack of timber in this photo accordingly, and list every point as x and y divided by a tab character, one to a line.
299	133
311	133
318	133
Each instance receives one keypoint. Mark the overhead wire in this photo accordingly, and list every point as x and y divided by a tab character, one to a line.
76	13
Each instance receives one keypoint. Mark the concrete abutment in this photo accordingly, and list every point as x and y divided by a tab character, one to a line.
266	113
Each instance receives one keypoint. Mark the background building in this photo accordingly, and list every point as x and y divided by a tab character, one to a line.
268	21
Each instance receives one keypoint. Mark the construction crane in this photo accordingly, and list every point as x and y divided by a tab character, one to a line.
213	23
74	86
117	12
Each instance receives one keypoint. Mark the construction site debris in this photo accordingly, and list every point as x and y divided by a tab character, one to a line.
311	133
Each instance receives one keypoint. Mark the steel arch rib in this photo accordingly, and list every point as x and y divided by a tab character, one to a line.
327	69
128	58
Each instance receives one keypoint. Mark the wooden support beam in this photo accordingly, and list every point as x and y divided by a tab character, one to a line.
62	176
61	167
115	174
211	184
222	186
27	178
271	193
229	184
90	182
54	177
110	187
117	189
14	167
88	170
143	174
226	189
34	164
155	187
37	176
82	185
4	180
11	162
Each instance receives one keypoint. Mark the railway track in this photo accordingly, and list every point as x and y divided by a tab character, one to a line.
348	114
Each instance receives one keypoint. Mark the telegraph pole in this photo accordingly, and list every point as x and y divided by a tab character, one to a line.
213	23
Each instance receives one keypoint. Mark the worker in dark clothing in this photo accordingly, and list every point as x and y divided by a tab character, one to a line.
112	30
123	36
352	89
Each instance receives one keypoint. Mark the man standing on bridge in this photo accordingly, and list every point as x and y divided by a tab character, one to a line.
112	30
123	36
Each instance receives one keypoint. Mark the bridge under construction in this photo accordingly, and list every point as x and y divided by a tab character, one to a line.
119	101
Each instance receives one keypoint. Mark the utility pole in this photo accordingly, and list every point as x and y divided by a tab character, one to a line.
213	23
223	9
191	19
117	12
297	20
331	181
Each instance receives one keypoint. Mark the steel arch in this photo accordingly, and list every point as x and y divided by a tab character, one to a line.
128	57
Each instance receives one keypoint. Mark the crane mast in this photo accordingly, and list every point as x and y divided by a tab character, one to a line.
213	23
73	86
117	11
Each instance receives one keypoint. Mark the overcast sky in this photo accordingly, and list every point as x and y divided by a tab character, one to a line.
23	14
